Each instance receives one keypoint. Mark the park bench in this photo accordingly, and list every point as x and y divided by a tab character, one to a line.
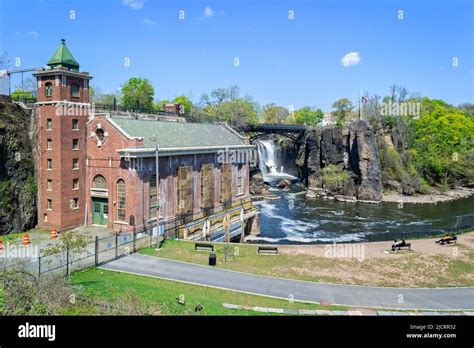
203	247
267	250
448	239
401	245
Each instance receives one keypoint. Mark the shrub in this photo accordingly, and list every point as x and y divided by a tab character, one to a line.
333	178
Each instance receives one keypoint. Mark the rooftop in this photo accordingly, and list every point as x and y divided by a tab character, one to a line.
63	58
180	134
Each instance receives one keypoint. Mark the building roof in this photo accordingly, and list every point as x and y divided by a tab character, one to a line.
63	58
180	134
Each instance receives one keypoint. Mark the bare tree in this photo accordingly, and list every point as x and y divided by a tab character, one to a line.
4	61
398	93
29	84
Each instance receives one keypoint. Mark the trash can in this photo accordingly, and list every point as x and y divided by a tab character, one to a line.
212	259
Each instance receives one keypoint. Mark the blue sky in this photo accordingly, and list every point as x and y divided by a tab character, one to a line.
287	61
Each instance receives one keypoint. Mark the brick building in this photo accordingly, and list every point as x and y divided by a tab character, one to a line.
98	169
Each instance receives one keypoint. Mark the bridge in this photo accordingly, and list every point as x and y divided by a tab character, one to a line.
287	130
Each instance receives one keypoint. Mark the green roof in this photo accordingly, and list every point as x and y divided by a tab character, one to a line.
179	134
63	58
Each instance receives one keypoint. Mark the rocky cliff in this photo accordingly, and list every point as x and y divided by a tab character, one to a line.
17	168
342	162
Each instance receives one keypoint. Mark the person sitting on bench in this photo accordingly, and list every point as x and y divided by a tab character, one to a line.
447	239
399	245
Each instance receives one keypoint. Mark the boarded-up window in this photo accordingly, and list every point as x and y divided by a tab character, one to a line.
226	182
207	185
153	198
185	190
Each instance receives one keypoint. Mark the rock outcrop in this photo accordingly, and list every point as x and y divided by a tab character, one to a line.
350	157
17	168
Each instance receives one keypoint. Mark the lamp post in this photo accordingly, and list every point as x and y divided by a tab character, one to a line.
157	172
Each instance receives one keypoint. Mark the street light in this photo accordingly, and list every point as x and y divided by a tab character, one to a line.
155	140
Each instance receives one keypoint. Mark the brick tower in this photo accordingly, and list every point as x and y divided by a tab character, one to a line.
62	113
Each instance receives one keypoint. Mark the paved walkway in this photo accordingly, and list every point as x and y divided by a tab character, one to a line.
359	296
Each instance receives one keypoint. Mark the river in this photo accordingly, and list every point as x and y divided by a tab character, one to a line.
293	219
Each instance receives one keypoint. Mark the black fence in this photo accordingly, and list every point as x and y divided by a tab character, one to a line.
466	226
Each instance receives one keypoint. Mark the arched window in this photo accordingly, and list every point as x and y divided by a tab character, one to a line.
153	200
121	200
99	182
75	90
48	89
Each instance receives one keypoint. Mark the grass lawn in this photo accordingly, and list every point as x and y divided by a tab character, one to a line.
35	234
408	269
161	295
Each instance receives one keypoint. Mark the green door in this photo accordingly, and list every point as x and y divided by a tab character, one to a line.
100	211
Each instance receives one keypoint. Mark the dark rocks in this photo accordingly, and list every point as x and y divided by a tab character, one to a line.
17	168
332	147
364	160
258	188
309	158
350	150
256	183
283	183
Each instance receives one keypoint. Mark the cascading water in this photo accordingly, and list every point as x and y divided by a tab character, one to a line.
267	162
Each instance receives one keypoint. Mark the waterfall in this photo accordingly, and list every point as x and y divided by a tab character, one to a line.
266	157
267	162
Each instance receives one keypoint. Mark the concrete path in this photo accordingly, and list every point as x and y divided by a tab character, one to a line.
359	296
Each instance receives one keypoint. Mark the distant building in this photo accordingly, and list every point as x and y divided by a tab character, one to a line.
101	170
174	108
328	119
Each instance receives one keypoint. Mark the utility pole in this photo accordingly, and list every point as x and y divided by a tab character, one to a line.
360	97
157	172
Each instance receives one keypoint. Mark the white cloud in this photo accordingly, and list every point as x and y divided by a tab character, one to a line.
351	58
133	4
30	33
208	12
149	22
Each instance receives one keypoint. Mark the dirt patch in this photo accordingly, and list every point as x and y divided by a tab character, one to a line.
427	264
433	197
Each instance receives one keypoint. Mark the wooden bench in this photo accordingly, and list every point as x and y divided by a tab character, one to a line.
267	250
203	247
399	247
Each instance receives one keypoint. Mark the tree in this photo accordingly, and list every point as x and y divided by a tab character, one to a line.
22	95
309	117
343	108
273	113
236	112
468	108
398	94
96	96
4	61
443	139
137	94
219	95
29	85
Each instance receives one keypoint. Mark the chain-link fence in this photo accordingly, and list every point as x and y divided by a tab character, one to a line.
99	251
